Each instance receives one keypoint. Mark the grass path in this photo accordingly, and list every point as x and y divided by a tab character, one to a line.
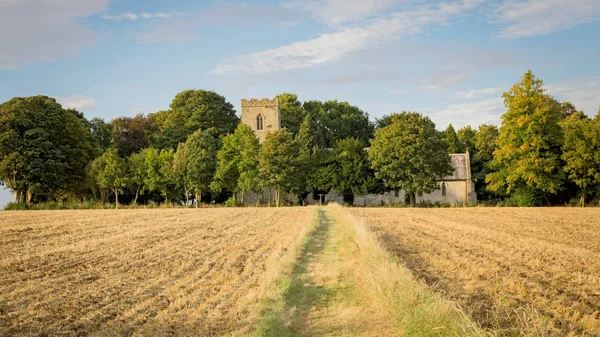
332	291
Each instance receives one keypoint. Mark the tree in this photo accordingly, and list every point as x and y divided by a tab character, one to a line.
44	149
132	135
410	154
101	133
110	173
527	159
339	120
202	149
159	174
383	121
292	113
306	138
485	145
192	110
466	136
136	173
350	169
181	165
581	150
278	163
452	141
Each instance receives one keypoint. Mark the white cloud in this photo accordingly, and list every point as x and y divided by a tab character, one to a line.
584	93
77	102
44	30
486	111
335	12
135	16
539	17
475	93
335	46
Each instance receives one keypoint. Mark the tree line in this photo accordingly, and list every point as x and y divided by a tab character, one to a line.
545	152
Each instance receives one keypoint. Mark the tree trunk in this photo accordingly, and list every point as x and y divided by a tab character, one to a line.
412	199
583	197
137	193
277	198
29	197
187	198
197	199
116	192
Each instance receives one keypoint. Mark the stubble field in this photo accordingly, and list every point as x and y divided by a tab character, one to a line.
532	272
143	272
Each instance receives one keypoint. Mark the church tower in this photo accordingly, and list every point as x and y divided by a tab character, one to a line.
262	116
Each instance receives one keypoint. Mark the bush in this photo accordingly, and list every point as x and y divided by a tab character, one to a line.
231	202
16	206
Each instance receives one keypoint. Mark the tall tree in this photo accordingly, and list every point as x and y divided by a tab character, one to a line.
452	141
527	159
485	145
202	147
192	110
581	152
278	163
306	138
136	174
292	113
159	174
237	163
101	133
110	173
466	137
44	149
383	121
181	166
410	154
350	169
132	135
339	120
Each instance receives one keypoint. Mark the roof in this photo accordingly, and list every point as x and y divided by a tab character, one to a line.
459	162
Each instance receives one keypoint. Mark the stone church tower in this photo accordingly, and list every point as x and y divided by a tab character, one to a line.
262	116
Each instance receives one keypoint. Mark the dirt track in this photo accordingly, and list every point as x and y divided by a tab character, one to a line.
153	272
516	271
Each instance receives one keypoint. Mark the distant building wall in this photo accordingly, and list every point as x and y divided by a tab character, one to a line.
262	116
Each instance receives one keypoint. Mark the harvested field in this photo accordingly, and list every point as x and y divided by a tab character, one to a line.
515	271
143	272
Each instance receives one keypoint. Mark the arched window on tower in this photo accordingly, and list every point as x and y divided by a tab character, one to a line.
443	189
259	122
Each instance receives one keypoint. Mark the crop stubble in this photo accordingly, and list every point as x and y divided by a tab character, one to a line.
516	271
153	272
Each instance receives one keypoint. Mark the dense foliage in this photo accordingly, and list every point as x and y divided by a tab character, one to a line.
545	152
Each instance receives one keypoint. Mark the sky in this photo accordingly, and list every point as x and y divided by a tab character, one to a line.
450	60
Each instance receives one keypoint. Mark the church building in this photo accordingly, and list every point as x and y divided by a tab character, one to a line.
263	116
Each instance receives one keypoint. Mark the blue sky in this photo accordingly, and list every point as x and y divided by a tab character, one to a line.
450	60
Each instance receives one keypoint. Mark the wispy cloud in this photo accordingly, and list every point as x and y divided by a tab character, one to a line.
135	16
335	46
485	111
77	102
334	12
476	93
584	93
535	17
44	30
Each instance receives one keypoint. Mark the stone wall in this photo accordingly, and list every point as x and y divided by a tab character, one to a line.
268	109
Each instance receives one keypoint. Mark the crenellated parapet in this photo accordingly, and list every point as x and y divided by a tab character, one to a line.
264	102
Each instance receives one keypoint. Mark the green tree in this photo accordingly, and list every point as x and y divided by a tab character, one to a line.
278	163
44	149
452	141
181	166
581	152
466	136
202	148
292	113
132	135
410	154
159	174
111	173
136	174
527	159
340	120
350	169
383	121
237	163
192	110
101	133
485	145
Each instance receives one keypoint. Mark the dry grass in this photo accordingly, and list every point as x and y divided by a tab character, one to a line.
515	271
138	272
